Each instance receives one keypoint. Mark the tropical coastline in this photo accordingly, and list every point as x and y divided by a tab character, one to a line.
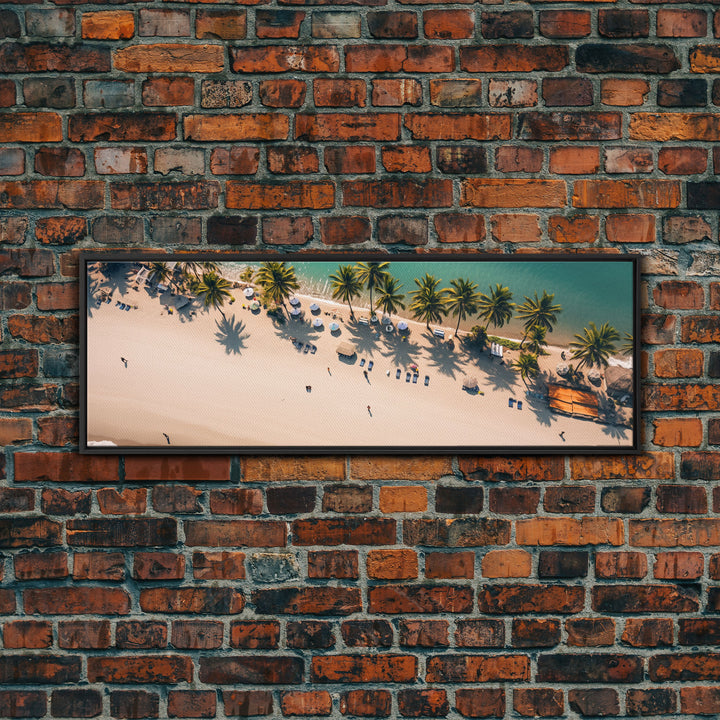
172	371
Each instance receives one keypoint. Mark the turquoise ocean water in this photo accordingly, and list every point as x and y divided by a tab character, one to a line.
587	291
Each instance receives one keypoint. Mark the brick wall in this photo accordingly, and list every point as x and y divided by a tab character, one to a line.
374	587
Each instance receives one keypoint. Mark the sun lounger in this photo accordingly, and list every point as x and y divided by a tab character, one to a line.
127	307
415	379
370	365
117	303
519	405
306	348
407	377
363	321
362	363
511	401
437	332
427	380
398	373
313	349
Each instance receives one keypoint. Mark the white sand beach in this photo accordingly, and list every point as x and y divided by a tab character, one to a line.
239	381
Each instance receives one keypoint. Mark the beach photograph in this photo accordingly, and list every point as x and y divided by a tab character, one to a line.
425	354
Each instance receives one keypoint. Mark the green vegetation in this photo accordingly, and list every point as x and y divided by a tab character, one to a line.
496	308
542	311
372	275
390	299
278	281
429	303
595	345
346	285
213	291
527	366
462	299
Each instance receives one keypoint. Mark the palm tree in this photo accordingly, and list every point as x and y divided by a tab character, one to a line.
462	299
159	272
213	290
478	335
496	308
390	299
628	345
371	275
574	375
536	340
543	312
527	366
278	281
247	274
429	302
595	345
346	285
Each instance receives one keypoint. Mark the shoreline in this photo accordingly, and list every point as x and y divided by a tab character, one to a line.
205	380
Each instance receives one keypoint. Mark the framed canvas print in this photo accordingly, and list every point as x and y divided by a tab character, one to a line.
359	353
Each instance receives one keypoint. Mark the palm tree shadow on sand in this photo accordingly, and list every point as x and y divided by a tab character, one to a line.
442	358
616	432
231	334
402	352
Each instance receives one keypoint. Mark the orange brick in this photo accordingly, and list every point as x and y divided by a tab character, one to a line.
624	93
450	565
569	531
682	432
421	468
392	564
680	362
168	57
403	499
678	565
314	702
507	563
448	24
515	228
406	158
15	430
108	25
574	160
630	228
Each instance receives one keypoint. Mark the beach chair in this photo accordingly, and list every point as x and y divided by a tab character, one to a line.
398	373
427	380
415	379
511	401
519	405
306	348
313	349
370	365
407	377
117	303
362	363
127	307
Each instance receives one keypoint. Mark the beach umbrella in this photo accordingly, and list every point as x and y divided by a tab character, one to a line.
294	301
255	305
402	325
334	326
295	312
248	292
389	328
317	322
562	369
314	307
469	382
414	367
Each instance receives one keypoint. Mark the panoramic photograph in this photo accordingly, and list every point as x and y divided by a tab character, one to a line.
303	354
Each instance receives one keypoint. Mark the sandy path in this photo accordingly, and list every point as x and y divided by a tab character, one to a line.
240	382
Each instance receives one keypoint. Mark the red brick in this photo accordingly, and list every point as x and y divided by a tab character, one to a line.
191	704
628	160
448	24
282	93
477	668
699	700
515	228
158	566
236	501
222	24
85	634
396	92
121	127
341	564
419	599
575	229
399	24
480	702
288	195
48	194
518	159
538	702
282	24
281	58
41	566
392	564
590	632
253	635
438	126
287	230
674	432
681	362
134	634
406	158
678	566
564	23
140	669
454	227
99	566
423	703
27	634
183	468
238	160
575	160
168	91
76	601
506	563
682	160
313	702
108	25
681	23
364	668
248	703
679	295
30	127
513	58
509	599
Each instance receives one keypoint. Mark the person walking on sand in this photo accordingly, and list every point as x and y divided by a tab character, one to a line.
167	438
329	373
124	361
369	410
